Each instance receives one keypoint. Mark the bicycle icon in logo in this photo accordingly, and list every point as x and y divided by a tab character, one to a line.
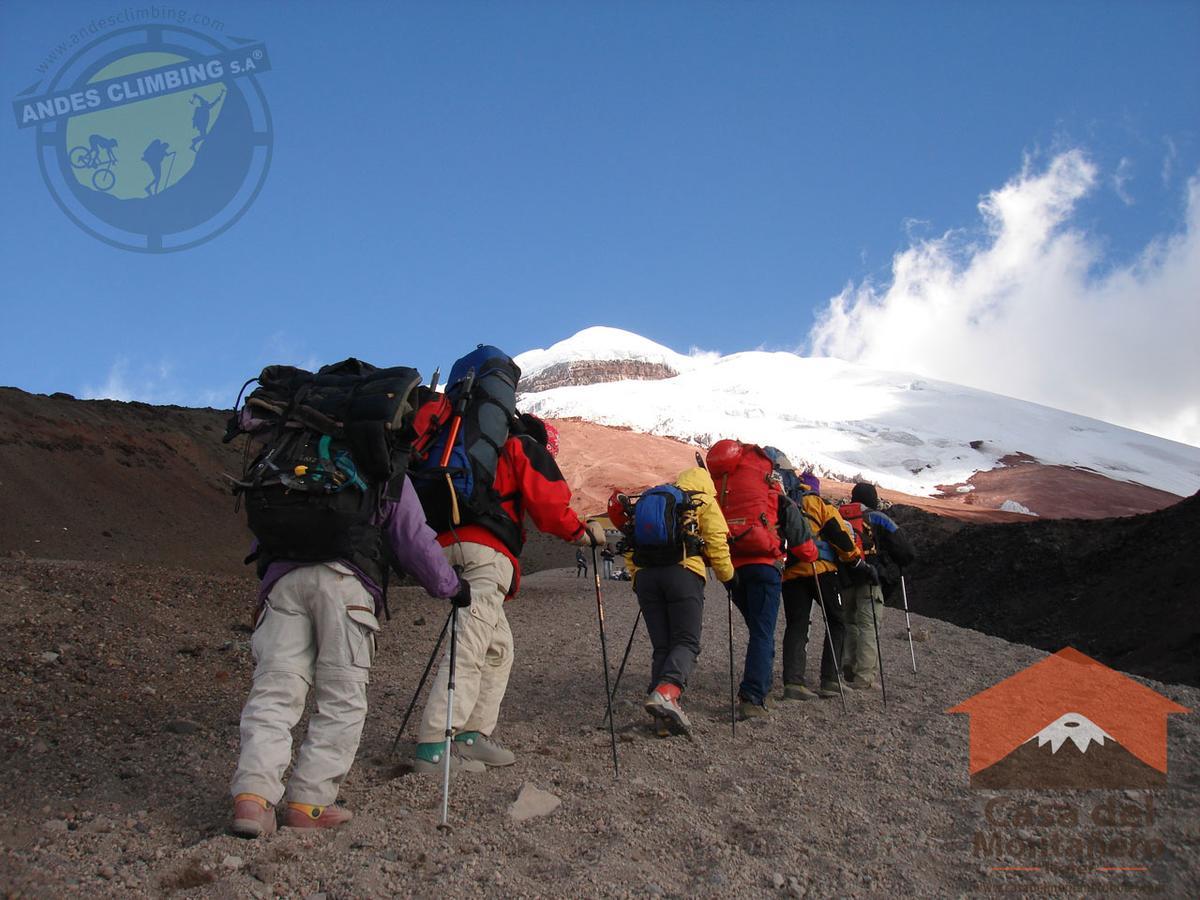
89	158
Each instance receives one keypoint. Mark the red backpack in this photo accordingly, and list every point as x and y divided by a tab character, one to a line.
748	496
863	537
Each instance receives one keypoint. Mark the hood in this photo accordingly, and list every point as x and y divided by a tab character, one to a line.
696	479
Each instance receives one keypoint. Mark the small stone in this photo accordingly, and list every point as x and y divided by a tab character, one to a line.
777	880
49	657
107	872
920	635
419	620
182	726
232	862
55	825
532	802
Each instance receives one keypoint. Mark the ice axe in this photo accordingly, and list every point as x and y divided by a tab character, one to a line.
460	408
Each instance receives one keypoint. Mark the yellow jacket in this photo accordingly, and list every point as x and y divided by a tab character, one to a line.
709	521
833	534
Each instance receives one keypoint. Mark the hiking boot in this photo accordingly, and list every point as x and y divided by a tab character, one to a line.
253	816
472	745
828	689
748	709
428	760
664	701
862	684
305	815
798	692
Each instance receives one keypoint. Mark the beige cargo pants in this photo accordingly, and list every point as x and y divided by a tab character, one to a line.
317	629
485	648
858	651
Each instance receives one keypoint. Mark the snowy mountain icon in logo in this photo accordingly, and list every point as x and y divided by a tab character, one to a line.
1070	752
1068	722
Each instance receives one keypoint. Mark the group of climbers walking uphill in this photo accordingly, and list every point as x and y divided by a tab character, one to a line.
355	472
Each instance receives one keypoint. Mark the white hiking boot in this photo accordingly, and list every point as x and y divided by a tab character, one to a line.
474	746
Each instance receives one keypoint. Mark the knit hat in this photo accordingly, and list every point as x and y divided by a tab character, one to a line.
865	494
811	481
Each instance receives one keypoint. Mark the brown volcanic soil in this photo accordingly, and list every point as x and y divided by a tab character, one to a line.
103	480
123	685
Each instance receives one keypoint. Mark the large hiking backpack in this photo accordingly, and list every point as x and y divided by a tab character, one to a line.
458	488
333	445
855	516
789	481
748	495
659	530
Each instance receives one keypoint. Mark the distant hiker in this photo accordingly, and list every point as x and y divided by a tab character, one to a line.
201	115
580	563
321	590
606	559
676	530
879	538
764	527
834	540
503	472
156	151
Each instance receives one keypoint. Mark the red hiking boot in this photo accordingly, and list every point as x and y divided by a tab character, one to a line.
253	816
303	815
663	702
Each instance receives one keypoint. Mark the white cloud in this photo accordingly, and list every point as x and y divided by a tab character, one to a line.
1121	179
1022	311
1168	166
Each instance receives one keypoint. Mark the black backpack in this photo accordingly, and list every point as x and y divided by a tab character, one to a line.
482	387
334	444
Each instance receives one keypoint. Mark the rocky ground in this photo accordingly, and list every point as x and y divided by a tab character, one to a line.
122	687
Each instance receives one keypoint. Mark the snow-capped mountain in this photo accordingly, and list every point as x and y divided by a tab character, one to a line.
845	420
1073	727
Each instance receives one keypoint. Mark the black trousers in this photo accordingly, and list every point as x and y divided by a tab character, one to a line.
799	595
672	602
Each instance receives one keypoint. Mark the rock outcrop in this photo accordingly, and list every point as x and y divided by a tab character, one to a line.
595	371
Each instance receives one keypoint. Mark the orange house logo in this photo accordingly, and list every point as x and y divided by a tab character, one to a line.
1068	722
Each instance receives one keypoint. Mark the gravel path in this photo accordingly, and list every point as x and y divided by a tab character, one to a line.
123	684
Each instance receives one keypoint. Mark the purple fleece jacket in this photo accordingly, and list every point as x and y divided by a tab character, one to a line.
412	541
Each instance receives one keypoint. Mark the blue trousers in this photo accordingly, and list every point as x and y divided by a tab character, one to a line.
757	598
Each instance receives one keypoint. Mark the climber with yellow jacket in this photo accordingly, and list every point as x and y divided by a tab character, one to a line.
806	583
673	533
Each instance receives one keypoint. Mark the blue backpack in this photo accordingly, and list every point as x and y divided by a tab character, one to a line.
659	535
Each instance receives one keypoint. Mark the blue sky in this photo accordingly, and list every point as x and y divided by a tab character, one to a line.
705	174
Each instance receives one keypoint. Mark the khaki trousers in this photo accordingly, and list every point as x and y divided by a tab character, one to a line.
858	653
485	648
317	629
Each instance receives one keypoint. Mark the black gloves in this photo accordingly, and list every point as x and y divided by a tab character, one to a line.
732	584
462	598
865	570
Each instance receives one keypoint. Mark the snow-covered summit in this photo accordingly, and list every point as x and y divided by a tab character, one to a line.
605	344
1073	727
842	419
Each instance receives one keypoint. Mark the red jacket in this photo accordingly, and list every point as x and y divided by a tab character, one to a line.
529	482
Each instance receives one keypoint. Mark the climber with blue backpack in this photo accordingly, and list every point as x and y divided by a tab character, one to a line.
480	468
673	533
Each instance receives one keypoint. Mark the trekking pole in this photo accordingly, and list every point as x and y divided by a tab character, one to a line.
417	693
732	701
829	637
624	659
878	649
444	825
612	729
908	621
